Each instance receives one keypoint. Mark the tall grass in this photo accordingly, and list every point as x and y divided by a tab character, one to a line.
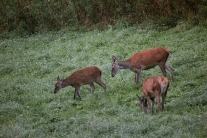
30	66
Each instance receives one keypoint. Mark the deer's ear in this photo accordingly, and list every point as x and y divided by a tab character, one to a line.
138	97
58	78
114	58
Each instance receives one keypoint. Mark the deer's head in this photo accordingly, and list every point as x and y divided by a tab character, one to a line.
143	103
58	85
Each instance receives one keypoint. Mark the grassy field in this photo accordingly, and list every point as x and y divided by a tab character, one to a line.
29	67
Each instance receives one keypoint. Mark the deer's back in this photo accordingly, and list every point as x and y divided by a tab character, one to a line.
85	76
150	57
151	87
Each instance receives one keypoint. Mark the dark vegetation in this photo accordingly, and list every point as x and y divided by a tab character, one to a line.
30	16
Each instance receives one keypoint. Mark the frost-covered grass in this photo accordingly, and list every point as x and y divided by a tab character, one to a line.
29	68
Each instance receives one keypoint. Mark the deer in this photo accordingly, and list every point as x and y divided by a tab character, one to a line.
85	76
153	88
143	61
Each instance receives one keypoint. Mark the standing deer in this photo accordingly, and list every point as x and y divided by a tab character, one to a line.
85	76
144	60
153	87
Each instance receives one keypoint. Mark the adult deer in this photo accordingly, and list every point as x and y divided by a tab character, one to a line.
88	75
153	87
144	60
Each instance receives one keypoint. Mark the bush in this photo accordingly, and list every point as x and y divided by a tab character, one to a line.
38	15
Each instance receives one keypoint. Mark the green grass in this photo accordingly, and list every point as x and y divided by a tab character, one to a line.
29	68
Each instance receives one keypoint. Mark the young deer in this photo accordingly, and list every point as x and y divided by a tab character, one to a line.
144	60
153	87
85	76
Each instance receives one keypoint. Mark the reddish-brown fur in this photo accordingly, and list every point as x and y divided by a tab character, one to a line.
88	75
144	60
154	87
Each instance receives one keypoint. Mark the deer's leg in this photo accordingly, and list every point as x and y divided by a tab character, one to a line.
150	103
162	67
92	87
163	98
74	96
137	77
158	103
171	70
163	101
153	101
77	92
100	83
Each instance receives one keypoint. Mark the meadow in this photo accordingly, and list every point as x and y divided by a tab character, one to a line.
30	65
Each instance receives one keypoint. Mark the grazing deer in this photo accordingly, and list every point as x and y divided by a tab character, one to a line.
85	76
153	87
142	61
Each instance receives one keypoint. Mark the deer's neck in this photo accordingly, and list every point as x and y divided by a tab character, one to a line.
65	83
125	64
